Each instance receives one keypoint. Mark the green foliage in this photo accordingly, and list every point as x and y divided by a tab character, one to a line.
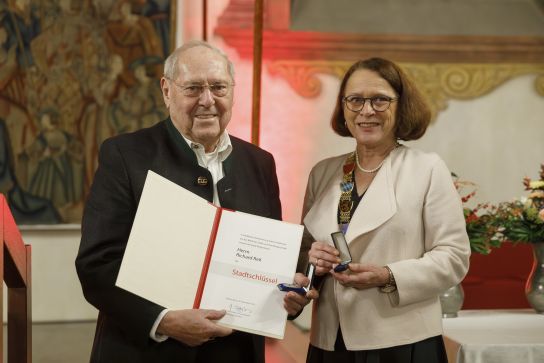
482	232
517	221
523	219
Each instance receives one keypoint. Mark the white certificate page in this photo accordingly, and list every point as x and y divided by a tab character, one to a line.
251	256
167	245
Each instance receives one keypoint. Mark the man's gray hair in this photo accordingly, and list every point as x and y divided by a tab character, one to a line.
170	64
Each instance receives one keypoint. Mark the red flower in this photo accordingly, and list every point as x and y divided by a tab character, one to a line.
472	217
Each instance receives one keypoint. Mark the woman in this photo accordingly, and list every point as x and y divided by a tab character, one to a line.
402	218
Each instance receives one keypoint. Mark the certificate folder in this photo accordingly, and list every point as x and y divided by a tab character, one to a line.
184	252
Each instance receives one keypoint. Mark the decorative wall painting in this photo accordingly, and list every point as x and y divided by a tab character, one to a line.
73	73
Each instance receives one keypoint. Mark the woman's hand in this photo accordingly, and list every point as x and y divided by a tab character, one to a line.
362	276
293	302
323	256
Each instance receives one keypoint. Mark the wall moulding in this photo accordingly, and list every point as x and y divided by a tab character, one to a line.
439	82
442	82
235	26
298	45
445	66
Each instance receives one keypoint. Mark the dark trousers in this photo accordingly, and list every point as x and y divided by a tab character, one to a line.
430	350
235	348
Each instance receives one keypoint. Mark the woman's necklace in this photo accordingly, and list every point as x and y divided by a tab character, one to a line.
371	171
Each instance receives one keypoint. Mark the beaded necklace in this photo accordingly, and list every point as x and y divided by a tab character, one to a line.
345	204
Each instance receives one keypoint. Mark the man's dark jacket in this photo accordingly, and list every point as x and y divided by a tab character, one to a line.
250	185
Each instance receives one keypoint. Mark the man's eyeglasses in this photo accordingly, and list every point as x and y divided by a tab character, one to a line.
378	103
219	89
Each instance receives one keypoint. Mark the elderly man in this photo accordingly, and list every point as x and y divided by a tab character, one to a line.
193	149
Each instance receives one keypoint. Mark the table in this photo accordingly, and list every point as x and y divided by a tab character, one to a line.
495	336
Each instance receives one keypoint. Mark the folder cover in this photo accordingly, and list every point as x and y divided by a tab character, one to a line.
184	252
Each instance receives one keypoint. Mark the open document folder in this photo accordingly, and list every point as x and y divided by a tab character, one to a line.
184	252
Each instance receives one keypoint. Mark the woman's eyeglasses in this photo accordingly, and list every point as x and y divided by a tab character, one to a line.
378	103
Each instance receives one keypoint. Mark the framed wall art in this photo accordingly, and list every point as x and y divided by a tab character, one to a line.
73	73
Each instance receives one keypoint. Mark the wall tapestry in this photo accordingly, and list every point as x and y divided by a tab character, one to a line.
73	73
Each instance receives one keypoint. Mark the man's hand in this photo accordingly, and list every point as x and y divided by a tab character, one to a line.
193	327
293	302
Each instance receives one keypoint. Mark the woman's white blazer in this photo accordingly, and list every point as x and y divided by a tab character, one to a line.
411	219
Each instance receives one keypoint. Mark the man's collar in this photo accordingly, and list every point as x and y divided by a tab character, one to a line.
223	148
179	141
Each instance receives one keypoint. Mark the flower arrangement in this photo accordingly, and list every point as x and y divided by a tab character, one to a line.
483	232
522	220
